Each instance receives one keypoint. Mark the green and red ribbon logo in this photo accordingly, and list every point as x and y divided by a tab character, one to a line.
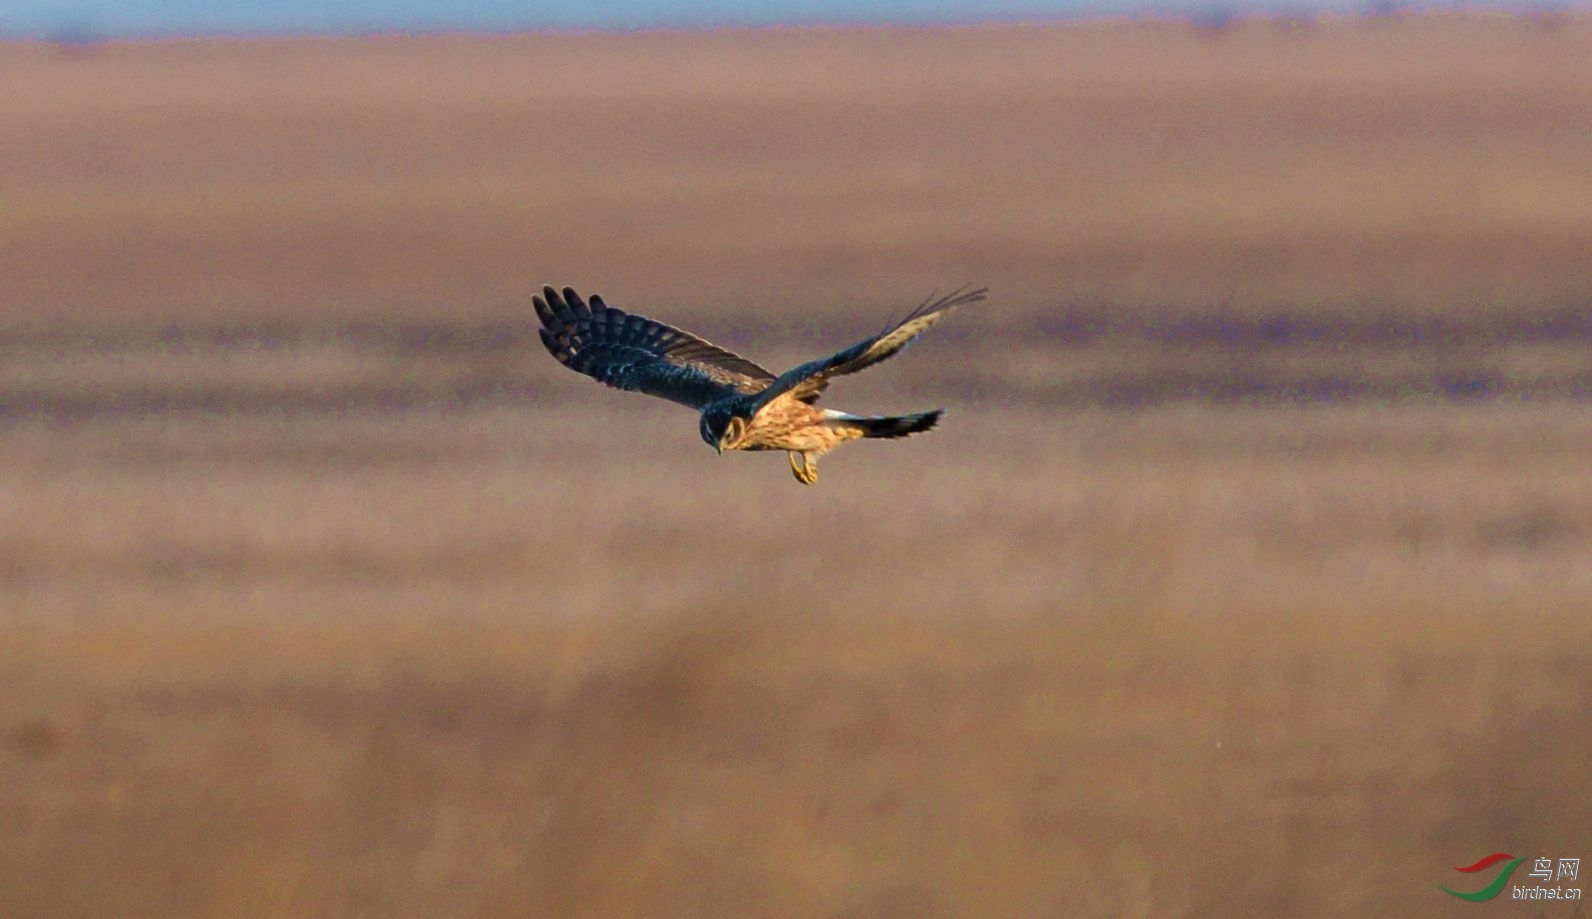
1498	884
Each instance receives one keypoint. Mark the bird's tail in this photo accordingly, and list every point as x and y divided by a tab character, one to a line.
896	425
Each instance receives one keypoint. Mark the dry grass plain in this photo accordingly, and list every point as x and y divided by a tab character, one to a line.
1248	576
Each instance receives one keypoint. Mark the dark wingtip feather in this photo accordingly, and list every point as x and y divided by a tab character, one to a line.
934	303
959	297
542	311
553	346
566	311
576	304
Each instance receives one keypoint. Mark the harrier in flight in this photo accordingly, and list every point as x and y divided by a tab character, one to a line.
743	406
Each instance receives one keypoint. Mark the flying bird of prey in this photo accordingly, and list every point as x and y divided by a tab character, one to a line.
743	406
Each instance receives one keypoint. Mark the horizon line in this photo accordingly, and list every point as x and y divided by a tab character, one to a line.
1199	13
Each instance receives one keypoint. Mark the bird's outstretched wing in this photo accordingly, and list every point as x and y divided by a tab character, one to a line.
635	353
805	382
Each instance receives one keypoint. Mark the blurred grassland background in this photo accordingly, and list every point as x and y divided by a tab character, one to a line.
1249	574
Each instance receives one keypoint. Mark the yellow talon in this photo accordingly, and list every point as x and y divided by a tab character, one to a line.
806	472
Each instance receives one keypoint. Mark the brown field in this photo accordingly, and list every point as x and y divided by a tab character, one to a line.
1249	574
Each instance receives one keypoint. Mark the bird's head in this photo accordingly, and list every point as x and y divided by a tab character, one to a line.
722	429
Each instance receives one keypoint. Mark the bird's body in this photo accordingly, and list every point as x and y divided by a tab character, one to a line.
744	407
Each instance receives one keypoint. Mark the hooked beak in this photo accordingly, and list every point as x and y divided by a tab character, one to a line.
719	446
